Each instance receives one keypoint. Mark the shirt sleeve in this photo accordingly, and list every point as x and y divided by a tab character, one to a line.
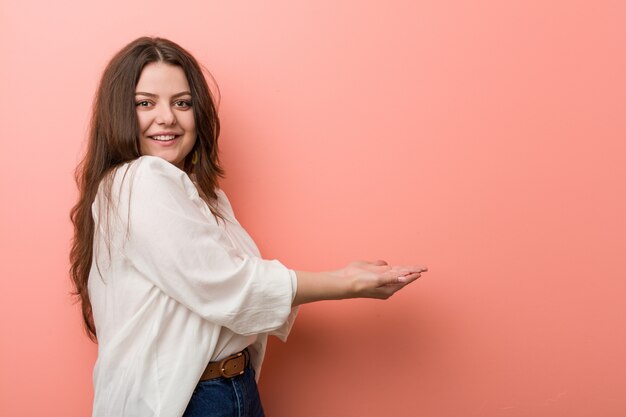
283	331
176	244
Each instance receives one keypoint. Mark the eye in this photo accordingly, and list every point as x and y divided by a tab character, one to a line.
183	103
143	103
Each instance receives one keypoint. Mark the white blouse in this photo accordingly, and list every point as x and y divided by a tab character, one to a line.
172	288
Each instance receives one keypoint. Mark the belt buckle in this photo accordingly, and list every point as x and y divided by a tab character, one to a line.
223	366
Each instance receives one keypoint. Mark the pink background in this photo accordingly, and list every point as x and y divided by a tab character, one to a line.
484	139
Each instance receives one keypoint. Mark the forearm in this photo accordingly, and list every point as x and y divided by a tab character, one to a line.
318	286
359	279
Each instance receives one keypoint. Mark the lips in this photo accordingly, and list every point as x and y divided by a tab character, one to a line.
164	138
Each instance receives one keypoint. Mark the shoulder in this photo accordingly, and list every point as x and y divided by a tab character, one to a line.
154	174
155	168
224	205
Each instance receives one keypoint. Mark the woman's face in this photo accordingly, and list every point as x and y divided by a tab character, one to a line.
166	122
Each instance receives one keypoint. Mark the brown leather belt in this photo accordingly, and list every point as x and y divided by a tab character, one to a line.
229	367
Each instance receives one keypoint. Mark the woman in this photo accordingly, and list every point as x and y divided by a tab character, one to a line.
173	287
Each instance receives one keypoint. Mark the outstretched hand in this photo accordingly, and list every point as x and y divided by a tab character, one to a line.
377	279
359	279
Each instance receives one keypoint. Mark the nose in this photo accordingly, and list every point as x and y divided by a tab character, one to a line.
165	116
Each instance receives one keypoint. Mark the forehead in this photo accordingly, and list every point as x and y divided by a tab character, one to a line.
162	79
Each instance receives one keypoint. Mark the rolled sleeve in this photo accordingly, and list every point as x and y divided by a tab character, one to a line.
283	331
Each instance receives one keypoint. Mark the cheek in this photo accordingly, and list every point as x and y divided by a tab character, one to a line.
143	122
187	122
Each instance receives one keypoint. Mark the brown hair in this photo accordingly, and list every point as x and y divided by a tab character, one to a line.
113	141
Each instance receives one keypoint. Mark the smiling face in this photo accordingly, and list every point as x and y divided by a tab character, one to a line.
166	121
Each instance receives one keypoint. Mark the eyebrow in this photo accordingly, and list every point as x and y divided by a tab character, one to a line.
141	93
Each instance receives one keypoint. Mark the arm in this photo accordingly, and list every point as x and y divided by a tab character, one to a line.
357	280
171	240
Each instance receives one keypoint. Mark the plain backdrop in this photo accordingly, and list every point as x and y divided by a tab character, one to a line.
484	139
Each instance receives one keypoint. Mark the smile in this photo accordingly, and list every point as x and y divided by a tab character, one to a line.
164	138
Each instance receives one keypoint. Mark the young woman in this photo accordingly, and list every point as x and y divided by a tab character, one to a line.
171	284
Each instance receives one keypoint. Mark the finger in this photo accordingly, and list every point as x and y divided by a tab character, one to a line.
387	278
380	262
395	277
407	279
412	269
390	289
397	286
405	270
386	291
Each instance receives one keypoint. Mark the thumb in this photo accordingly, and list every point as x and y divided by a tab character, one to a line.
380	262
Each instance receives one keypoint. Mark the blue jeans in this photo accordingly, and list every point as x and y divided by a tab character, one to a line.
226	397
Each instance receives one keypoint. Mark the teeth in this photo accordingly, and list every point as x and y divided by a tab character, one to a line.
164	137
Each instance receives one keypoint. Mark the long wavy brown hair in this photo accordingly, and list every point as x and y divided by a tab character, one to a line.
114	140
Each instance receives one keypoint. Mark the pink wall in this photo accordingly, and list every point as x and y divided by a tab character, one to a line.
484	139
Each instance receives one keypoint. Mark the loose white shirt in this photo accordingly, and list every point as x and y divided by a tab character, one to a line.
173	288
